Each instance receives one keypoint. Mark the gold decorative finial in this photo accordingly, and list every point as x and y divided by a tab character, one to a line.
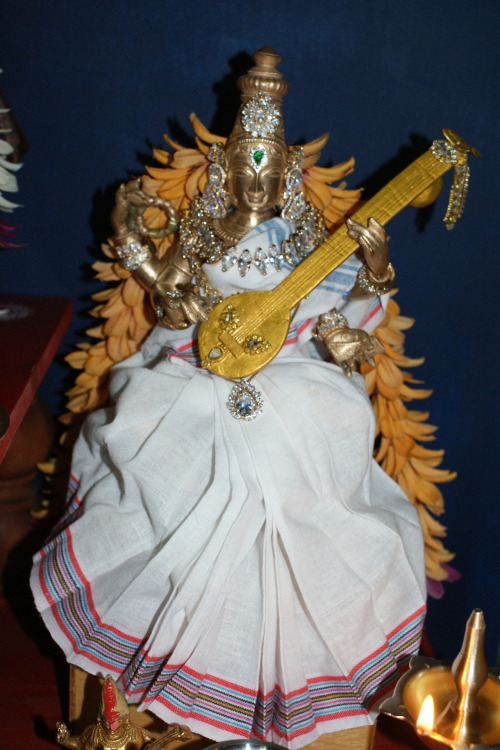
460	719
456	140
465	696
264	76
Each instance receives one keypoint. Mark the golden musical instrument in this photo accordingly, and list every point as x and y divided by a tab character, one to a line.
246	331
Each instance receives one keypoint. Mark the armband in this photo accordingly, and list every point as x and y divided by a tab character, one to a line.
371	285
326	322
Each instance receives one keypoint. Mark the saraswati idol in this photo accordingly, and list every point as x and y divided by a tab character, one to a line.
231	553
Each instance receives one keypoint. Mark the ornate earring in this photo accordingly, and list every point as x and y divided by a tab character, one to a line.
294	202
214	196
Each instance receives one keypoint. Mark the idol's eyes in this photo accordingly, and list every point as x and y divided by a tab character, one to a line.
246	171
243	171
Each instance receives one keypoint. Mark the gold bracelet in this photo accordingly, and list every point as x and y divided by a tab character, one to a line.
371	285
327	322
133	255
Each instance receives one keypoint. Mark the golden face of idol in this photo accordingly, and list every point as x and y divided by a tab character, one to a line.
255	179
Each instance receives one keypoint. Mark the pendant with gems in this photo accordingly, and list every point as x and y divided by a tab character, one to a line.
244	402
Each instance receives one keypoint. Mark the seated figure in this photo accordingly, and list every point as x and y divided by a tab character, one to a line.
241	564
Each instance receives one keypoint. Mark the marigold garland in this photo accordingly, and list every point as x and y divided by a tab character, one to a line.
126	318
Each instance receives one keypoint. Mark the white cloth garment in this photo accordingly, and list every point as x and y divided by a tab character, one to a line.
251	579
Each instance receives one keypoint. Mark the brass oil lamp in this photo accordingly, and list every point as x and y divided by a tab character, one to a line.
461	700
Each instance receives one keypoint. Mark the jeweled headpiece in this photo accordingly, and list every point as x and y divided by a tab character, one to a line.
260	116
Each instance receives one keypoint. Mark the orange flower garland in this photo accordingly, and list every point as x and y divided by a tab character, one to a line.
400	432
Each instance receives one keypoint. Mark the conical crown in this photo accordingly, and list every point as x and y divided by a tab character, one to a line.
113	704
262	91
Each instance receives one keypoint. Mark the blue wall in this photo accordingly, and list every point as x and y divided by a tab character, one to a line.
95	84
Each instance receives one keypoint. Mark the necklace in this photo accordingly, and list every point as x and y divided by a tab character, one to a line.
201	243
309	233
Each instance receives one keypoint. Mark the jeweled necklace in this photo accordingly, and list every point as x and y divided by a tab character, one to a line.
200	243
310	233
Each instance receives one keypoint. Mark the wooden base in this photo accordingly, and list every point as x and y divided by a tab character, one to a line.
85	696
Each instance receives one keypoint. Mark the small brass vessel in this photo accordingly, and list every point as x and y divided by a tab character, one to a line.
466	695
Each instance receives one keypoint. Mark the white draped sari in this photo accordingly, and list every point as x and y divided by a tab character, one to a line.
251	579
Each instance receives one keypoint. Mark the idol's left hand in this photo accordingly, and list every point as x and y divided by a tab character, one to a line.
372	240
350	347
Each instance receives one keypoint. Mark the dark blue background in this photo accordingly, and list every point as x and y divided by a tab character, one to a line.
95	84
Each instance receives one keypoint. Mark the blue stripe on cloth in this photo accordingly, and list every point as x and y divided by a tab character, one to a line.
339	281
276	230
342	279
287	715
71	602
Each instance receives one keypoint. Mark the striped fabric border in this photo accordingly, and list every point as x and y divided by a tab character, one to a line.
69	596
287	715
342	279
179	689
376	309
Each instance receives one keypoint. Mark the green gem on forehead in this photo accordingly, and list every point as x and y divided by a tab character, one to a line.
258	156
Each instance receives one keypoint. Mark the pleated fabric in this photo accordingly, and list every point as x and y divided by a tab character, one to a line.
253	579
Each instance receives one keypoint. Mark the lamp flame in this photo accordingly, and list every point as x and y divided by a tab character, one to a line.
425	721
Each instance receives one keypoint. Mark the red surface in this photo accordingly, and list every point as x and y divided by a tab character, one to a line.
27	347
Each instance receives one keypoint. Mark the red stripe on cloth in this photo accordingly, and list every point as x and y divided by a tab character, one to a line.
64	629
90	602
318	720
203	718
410	618
371	314
295	338
91	606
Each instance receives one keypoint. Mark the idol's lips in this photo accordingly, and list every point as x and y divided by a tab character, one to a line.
257	199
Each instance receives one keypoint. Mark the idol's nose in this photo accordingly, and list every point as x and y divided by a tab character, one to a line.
257	185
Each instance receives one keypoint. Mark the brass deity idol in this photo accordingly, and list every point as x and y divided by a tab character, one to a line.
113	729
266	315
